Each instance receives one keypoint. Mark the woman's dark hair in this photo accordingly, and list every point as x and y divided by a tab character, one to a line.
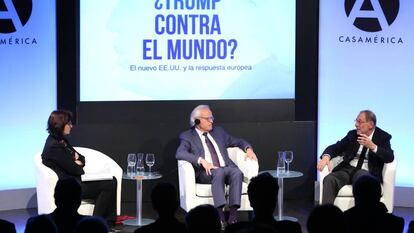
57	121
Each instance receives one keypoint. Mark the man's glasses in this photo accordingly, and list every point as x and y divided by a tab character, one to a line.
358	121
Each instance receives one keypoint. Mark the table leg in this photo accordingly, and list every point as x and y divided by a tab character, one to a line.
138	221
280	216
280	200
139	202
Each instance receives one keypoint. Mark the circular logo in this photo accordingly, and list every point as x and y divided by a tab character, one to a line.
372	15
14	14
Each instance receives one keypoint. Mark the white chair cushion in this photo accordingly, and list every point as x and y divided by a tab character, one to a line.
204	190
346	191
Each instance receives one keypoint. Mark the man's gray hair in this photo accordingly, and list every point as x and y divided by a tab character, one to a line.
370	116
195	114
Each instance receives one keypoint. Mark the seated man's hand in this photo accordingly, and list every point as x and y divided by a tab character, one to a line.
207	166
250	154
78	162
364	140
323	162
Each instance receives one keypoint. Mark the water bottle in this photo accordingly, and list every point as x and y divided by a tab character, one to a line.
280	167
140	164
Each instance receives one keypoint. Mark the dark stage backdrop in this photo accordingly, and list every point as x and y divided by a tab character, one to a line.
171	112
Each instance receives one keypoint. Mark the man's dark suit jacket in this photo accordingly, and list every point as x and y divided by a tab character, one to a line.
191	147
348	147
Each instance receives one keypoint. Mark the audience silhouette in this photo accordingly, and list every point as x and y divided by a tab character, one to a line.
203	219
326	218
262	192
165	201
7	227
411	227
91	224
40	224
369	214
67	199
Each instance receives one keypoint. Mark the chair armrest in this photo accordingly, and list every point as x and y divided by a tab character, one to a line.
388	173
186	176
187	184
98	162
46	180
325	171
322	174
332	163
249	167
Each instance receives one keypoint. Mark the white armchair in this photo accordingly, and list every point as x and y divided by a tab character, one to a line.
345	198
193	194
95	162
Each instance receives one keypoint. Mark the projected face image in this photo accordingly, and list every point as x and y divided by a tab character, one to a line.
206	120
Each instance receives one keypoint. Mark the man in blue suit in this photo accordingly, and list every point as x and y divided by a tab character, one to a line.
205	147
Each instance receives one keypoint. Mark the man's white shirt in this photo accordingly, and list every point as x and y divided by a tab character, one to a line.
207	155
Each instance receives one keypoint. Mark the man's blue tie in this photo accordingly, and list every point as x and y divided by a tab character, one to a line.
213	152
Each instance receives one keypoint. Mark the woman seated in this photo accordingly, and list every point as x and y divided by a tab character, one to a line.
61	157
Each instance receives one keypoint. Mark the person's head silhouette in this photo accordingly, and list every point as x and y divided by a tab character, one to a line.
411	227
7	227
262	191
367	190
40	224
203	219
68	194
326	219
164	199
91	224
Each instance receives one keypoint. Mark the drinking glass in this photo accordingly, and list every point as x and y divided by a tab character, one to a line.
288	159
140	163
150	160
132	159
280	166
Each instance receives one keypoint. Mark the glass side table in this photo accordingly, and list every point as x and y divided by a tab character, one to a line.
139	221
281	177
